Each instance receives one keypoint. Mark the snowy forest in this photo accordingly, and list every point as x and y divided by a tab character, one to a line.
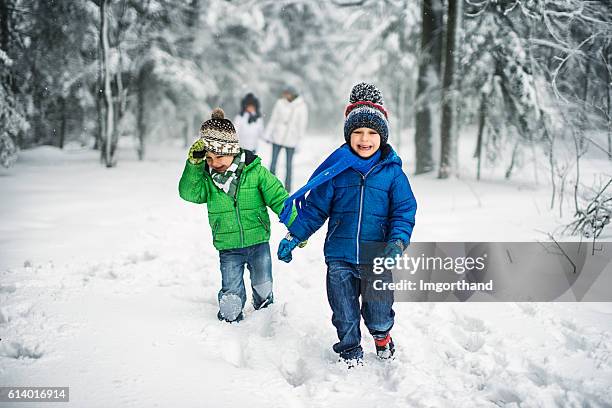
524	76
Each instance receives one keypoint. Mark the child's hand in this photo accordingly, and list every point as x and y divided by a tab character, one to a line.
197	152
393	249
285	247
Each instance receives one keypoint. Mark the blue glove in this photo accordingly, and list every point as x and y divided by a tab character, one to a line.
285	247
393	249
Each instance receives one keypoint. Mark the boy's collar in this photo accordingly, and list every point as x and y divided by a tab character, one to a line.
249	157
385	150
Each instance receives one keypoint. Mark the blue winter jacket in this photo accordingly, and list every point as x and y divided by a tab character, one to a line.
365	211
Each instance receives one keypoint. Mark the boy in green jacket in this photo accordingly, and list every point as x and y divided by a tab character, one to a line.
237	189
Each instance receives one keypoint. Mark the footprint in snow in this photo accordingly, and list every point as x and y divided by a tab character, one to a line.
502	396
141	257
471	324
538	375
17	350
528	308
469	341
294	369
234	351
227	342
4	316
270	319
7	288
389	372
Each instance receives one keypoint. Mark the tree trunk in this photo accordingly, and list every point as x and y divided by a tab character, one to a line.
62	133
585	97
609	97
4	26
121	102
99	107
551	162
140	116
512	159
578	147
108	98
481	126
401	98
37	98
429	68
448	125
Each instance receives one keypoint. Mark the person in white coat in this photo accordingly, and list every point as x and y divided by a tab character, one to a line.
286	128
249	123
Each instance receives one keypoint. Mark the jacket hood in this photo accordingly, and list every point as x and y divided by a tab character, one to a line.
387	154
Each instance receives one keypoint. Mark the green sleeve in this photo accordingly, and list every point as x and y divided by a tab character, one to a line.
193	186
273	192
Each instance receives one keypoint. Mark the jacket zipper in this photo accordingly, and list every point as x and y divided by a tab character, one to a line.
363	177
237	209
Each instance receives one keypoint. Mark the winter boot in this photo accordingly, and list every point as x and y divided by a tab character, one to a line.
236	320
351	362
384	347
352	358
230	308
267	302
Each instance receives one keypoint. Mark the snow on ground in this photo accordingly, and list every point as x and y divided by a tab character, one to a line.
108	284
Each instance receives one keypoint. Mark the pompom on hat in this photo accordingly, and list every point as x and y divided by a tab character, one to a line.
219	135
366	109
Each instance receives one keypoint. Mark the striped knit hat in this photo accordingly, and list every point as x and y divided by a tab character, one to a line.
366	110
219	135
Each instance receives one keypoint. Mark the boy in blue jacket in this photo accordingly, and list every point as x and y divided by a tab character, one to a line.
363	191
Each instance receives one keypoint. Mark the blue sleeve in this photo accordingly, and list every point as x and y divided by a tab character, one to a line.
402	209
314	213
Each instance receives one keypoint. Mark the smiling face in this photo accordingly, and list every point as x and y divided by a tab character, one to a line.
365	142
218	163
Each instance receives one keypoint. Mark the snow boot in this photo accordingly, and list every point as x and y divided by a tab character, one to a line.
352	358
384	347
230	308
236	320
351	362
267	302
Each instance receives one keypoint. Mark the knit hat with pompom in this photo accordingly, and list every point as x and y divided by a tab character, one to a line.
219	135
366	109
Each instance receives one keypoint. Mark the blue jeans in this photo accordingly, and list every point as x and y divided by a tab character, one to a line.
258	262
346	282
276	148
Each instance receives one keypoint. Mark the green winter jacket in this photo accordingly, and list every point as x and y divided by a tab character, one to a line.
240	222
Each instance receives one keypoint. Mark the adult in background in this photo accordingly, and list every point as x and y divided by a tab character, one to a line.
249	123
286	128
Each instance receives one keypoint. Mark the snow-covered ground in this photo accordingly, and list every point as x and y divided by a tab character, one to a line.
108	284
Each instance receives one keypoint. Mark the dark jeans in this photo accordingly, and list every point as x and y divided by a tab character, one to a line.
275	153
232	296
346	282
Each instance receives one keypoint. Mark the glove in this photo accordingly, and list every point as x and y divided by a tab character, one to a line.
197	152
287	245
393	249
